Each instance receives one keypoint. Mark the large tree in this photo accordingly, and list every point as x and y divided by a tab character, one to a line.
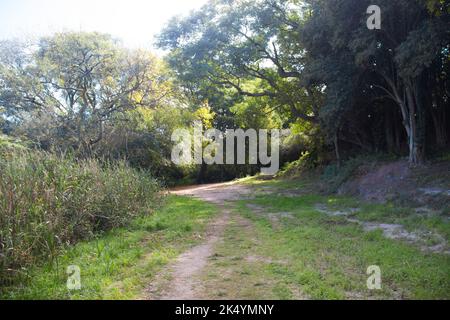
71	86
396	62
228	44
318	61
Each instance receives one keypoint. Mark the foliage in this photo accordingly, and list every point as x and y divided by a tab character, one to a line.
317	62
49	201
297	167
68	90
235	45
7	142
113	266
393	63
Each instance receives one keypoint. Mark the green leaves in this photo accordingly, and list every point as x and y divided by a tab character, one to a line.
230	44
421	48
75	86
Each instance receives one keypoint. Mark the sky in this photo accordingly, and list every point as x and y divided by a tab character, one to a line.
136	22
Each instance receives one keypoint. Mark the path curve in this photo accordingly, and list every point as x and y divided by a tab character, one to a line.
183	283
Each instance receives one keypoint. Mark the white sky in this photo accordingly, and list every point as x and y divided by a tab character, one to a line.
136	22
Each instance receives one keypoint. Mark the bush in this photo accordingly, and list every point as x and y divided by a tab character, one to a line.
49	201
298	167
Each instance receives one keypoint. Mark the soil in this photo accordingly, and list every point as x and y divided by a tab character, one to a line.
182	281
183	278
427	185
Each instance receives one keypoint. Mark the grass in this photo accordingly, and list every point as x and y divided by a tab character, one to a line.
308	253
119	264
11	143
327	257
391	213
50	201
372	212
236	271
284	248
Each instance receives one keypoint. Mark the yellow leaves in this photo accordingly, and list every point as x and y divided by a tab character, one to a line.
137	96
205	115
143	117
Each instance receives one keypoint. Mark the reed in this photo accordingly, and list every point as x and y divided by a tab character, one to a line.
48	202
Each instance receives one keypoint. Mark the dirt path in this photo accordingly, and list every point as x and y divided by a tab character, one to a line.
217	193
181	280
252	250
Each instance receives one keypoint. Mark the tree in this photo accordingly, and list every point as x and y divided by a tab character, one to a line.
76	84
229	43
395	62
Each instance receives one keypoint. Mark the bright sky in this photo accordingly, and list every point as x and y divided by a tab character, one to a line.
136	22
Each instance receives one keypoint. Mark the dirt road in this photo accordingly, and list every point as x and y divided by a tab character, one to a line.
181	280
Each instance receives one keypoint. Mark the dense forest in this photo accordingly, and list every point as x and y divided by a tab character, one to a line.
311	66
86	122
315	65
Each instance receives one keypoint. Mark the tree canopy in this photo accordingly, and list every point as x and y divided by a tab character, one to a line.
75	85
312	66
316	61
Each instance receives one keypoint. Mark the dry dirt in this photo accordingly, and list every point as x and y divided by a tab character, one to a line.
217	193
427	185
181	280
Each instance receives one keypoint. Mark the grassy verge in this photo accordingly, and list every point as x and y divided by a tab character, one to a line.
435	222
239	269
50	201
327	257
119	264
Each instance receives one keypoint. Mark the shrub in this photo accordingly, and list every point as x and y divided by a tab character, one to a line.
298	167
49	201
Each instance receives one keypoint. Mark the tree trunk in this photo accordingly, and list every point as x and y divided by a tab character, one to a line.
202	172
416	108
412	108
336	149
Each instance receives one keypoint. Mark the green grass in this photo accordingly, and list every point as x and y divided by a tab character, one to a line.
48	201
237	271
372	212
122	262
303	254
390	213
327	257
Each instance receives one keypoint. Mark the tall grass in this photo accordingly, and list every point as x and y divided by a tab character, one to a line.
48	202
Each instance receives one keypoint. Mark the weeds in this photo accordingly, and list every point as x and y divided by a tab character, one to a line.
49	201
